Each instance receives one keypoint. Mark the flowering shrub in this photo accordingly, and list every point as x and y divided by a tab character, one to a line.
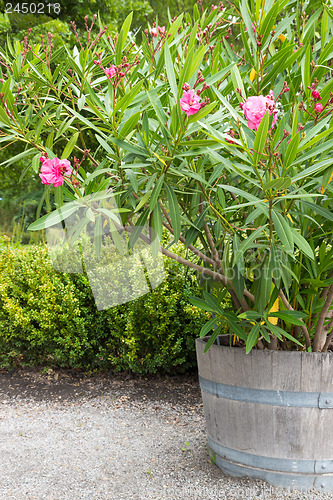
227	145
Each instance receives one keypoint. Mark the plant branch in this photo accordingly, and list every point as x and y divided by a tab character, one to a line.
318	338
303	328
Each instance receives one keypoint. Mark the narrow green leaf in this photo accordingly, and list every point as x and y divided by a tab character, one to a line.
212	338
156	192
174	211
283	231
69	146
170	70
319	210
289	317
252	338
277	184
201	304
292	150
207	327
129	125
248	243
54	218
302	244
260	139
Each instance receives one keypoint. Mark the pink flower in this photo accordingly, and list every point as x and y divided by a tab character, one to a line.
111	71
190	102
316	95
318	107
52	171
161	30
255	107
253	27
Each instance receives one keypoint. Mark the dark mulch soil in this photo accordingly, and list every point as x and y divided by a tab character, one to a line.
69	385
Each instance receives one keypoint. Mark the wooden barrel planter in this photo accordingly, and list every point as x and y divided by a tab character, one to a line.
269	414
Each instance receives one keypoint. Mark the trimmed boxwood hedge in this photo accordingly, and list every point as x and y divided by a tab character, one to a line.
50	319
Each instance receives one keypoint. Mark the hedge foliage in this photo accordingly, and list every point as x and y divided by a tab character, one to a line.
50	319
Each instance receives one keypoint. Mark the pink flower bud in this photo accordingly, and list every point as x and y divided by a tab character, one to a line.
316	95
121	74
318	107
186	86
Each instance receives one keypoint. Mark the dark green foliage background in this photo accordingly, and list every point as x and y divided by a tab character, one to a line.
50	319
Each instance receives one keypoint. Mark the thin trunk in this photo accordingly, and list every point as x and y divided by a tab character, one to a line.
320	334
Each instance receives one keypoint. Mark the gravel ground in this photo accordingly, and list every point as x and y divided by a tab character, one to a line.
67	437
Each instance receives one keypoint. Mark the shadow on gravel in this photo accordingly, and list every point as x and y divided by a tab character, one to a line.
69	385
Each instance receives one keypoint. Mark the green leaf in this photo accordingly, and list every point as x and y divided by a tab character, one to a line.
302	244
201	304
156	192
135	234
306	69
125	101
269	21
112	215
174	211
207	327
129	125
69	146
260	139
234	326
277	184
247	243
278	332
290	317
237	82
212	338
18	157
132	178
292	150
55	217
170	70
252	338
319	210
264	286
122	37
283	231
248	22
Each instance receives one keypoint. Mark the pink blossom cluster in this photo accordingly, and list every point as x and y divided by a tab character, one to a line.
255	108
53	171
116	73
160	29
191	102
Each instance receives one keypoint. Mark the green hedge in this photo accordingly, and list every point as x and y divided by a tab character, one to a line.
50	319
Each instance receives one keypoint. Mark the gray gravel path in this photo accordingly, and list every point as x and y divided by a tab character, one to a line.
68	438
